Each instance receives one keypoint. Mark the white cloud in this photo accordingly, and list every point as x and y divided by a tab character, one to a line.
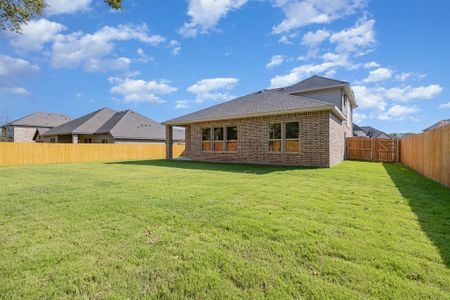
175	47
444	105
370	98
407	93
330	62
276	60
91	51
56	7
403	76
205	14
144	58
213	88
16	91
376	98
12	68
379	74
138	90
35	34
371	64
285	40
398	112
356	39
359	117
299	13
181	104
315	38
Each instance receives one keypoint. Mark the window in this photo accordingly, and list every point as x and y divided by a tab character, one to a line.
291	140
275	137
52	140
232	138
218	139
9	130
206	139
87	140
104	141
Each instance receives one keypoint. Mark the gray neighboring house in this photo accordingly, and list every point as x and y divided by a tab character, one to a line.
304	124
369	132
437	125
31	127
108	126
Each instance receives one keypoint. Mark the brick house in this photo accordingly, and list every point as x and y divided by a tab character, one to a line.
304	124
29	128
108	126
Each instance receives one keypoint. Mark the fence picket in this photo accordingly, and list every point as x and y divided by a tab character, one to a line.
41	153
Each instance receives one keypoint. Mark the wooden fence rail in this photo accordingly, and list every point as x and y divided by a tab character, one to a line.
428	153
40	153
361	148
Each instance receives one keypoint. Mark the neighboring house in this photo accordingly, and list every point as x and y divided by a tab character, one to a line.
369	132
437	125
358	131
29	128
374	133
304	124
109	126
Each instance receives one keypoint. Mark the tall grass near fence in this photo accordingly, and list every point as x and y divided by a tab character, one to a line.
40	153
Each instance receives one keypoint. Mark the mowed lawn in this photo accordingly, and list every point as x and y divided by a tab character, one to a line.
179	229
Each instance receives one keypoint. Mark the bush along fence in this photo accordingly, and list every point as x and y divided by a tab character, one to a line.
427	153
38	153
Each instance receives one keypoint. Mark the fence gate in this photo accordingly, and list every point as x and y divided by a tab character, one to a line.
383	150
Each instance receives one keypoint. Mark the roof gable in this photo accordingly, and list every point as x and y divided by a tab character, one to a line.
89	123
121	125
312	83
40	119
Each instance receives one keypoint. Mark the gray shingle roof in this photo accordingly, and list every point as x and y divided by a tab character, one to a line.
86	124
312	83
132	125
375	133
121	125
438	124
40	119
262	102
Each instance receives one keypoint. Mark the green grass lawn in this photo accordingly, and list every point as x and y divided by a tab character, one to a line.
178	229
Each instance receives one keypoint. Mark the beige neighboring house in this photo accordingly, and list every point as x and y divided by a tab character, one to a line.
108	126
304	124
29	128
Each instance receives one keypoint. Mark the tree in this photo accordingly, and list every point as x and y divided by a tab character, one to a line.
16	13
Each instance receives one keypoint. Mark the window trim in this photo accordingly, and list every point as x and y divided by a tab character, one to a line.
271	140
225	140
283	137
286	139
210	139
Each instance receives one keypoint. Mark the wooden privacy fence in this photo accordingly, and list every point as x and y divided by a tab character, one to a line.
39	153
428	153
383	150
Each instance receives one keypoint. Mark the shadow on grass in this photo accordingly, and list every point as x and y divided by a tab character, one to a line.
430	201
212	166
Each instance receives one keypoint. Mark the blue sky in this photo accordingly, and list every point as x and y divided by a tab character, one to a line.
167	58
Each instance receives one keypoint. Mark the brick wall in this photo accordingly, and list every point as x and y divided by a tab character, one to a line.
24	134
253	141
